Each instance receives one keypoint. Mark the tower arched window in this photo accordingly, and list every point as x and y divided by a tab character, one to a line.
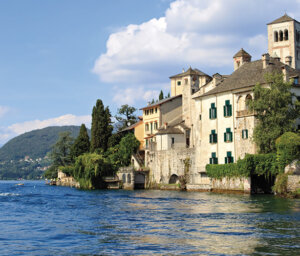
276	36
286	34
280	35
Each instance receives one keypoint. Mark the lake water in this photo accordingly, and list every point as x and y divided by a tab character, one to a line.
37	219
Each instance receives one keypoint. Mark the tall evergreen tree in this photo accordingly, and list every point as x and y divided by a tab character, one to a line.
161	95
101	127
81	144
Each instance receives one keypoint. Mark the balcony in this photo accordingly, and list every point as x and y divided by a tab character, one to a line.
242	113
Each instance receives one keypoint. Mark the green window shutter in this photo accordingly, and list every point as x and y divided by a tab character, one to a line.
216	160
224	110
210	161
227	102
213	155
243	135
227	129
215	138
229	110
212	105
246	134
210	140
213	131
225	160
229	153
215	112
225	137
232	160
210	113
230	136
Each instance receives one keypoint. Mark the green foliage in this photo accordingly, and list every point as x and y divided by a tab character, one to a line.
263	164
288	149
82	143
280	186
115	139
126	116
60	154
68	170
101	127
161	95
120	154
276	110
89	169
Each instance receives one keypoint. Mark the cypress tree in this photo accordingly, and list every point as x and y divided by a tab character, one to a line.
101	127
161	95
81	144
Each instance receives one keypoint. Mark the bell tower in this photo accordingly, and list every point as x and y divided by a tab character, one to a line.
284	40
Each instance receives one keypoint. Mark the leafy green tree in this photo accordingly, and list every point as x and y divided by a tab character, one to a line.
123	151
81	144
60	153
276	109
126	116
101	127
161	95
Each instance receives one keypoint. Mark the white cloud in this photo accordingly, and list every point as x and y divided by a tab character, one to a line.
3	110
13	130
204	34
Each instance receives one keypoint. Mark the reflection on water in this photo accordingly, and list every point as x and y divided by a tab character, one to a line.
42	220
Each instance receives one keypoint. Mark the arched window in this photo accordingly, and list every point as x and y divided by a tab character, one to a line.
276	36
286	35
280	35
124	178
128	178
248	98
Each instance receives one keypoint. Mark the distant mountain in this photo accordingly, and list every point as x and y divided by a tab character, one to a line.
24	155
35	144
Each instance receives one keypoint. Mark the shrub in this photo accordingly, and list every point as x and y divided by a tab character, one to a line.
280	186
264	164
288	149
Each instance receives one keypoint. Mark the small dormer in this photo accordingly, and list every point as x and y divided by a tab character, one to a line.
240	58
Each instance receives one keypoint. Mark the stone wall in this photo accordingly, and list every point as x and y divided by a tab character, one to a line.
293	183
67	181
232	184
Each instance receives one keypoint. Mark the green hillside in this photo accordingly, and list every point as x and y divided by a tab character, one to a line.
34	146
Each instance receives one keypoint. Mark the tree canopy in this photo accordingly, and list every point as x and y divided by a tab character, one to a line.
126	116
276	109
81	144
161	95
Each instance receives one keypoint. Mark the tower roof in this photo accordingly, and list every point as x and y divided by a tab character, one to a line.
190	71
284	18
242	53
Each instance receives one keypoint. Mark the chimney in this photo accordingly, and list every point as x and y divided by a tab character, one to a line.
285	72
265	60
288	60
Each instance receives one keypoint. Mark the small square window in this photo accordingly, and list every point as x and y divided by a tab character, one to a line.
178	83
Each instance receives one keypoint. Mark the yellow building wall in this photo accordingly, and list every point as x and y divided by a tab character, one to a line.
139	134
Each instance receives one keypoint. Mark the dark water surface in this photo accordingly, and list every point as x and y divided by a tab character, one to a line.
37	219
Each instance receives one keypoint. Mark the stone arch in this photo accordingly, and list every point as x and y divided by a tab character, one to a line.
280	35
139	181
286	35
276	36
248	97
124	178
173	179
240	103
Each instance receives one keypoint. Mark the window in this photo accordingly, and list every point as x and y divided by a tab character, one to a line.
286	35
245	134
155	110
151	111
147	127
296	80
178	83
172	140
275	36
213	137
151	127
147	143
212	111
128	178
228	158
124	178
200	117
228	135
155	125
280	35
213	159
227	109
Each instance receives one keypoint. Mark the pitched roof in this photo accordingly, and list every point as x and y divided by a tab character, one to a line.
161	102
169	130
249	74
284	18
241	53
132	126
190	71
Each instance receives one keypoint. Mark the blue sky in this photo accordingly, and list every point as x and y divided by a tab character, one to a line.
57	57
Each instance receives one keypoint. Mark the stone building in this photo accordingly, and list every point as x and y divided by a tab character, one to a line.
215	125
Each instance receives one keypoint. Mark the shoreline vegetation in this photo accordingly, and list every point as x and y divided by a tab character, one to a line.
88	161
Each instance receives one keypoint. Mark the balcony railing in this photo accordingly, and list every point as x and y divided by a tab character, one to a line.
245	112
